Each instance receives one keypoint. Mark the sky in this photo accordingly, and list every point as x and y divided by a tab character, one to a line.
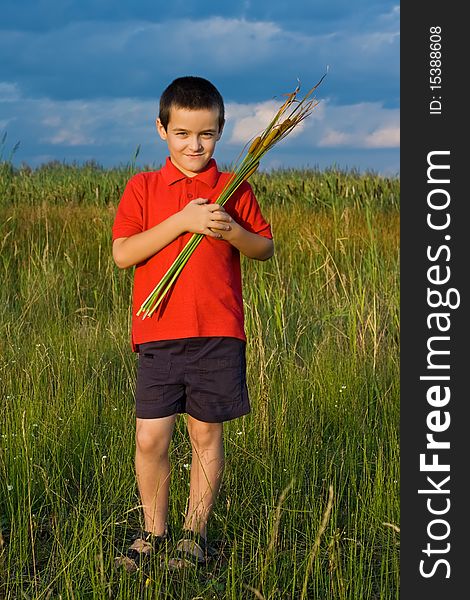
80	80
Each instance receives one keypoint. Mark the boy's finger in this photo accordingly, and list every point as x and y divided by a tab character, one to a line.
222	225
214	234
219	216
216	208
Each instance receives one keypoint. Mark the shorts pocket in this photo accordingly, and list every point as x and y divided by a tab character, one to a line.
221	379
152	377
153	362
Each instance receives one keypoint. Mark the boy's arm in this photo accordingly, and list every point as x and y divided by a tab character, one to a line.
250	244
196	217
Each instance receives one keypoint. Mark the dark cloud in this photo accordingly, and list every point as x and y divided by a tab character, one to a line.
46	15
81	80
244	58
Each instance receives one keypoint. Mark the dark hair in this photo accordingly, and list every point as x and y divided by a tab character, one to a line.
192	93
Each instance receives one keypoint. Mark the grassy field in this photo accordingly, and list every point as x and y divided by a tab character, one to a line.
309	505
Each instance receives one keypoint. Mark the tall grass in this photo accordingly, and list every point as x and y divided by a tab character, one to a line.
312	474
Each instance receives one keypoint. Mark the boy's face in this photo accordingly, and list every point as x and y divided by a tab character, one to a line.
191	136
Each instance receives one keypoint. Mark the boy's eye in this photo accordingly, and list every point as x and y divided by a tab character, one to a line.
206	134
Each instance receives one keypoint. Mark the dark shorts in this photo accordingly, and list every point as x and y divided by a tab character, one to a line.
204	377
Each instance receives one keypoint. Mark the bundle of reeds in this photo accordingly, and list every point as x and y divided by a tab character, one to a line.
291	113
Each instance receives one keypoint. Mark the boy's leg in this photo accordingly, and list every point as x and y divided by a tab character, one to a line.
207	467
152	465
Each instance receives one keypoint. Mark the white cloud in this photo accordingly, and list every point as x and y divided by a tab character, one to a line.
9	92
121	124
391	17
52	121
375	41
332	138
362	125
248	120
227	43
69	137
79	123
386	137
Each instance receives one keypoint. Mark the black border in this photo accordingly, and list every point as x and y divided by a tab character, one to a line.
422	132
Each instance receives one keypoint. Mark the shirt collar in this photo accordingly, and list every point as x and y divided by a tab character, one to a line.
209	175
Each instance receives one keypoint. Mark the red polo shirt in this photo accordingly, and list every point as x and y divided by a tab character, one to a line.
206	299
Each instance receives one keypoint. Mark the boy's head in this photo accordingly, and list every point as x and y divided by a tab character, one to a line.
191	120
192	93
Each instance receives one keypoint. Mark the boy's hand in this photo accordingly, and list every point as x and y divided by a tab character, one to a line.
199	216
250	244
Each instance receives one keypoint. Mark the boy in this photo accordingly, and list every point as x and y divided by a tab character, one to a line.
192	349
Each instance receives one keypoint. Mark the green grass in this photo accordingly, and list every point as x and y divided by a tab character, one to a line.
322	319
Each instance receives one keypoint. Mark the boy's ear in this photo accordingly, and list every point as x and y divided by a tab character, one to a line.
219	135
160	129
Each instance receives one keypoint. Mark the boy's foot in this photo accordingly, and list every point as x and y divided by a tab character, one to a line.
144	546
192	550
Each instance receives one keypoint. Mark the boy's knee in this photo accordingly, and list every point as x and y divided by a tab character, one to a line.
154	435
204	434
148	442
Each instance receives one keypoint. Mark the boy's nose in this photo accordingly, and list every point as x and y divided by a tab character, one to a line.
195	143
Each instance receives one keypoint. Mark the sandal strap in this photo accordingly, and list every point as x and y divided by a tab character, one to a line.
190	554
194	541
149	536
144	544
203	544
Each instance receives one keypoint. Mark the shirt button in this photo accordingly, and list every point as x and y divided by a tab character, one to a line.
190	195
188	181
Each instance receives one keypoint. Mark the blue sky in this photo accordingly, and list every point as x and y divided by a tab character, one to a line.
81	80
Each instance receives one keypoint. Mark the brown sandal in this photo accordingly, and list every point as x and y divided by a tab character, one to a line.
144	546
192	550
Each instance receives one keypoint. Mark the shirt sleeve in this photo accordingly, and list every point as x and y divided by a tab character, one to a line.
247	212
129	216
